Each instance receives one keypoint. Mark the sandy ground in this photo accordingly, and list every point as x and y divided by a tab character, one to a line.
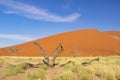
56	72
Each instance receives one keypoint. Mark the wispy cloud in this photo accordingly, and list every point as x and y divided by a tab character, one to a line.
8	12
36	13
15	37
3	45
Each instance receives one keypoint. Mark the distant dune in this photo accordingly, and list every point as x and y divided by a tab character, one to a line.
88	42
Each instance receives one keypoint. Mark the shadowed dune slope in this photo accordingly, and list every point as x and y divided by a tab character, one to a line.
88	42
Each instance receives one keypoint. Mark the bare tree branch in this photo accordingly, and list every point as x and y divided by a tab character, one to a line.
88	63
57	52
44	52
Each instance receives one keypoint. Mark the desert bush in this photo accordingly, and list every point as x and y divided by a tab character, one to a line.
30	58
1	62
36	75
40	74
117	62
68	67
117	72
31	76
11	70
66	75
82	72
106	72
4	62
44	67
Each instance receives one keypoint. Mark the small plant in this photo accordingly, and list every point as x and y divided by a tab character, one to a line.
40	74
31	76
117	62
12	70
4	62
68	67
44	67
66	75
1	62
82	72
30	58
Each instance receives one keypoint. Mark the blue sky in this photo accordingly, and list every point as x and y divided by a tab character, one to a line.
26	20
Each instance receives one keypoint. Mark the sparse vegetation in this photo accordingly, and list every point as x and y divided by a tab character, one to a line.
108	68
40	74
31	76
12	70
1	62
80	72
44	67
67	75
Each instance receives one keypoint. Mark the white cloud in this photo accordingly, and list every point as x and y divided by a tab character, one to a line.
35	13
3	44
15	37
8	12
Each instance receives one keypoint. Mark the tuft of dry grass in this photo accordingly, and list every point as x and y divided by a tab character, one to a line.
39	75
12	70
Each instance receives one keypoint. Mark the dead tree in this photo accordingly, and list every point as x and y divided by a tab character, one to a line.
29	65
44	52
69	62
88	63
58	50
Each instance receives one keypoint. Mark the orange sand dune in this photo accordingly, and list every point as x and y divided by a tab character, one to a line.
113	33
89	42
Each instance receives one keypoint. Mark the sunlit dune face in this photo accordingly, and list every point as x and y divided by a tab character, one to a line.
88	42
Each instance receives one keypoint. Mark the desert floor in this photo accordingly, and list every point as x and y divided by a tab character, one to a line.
69	68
